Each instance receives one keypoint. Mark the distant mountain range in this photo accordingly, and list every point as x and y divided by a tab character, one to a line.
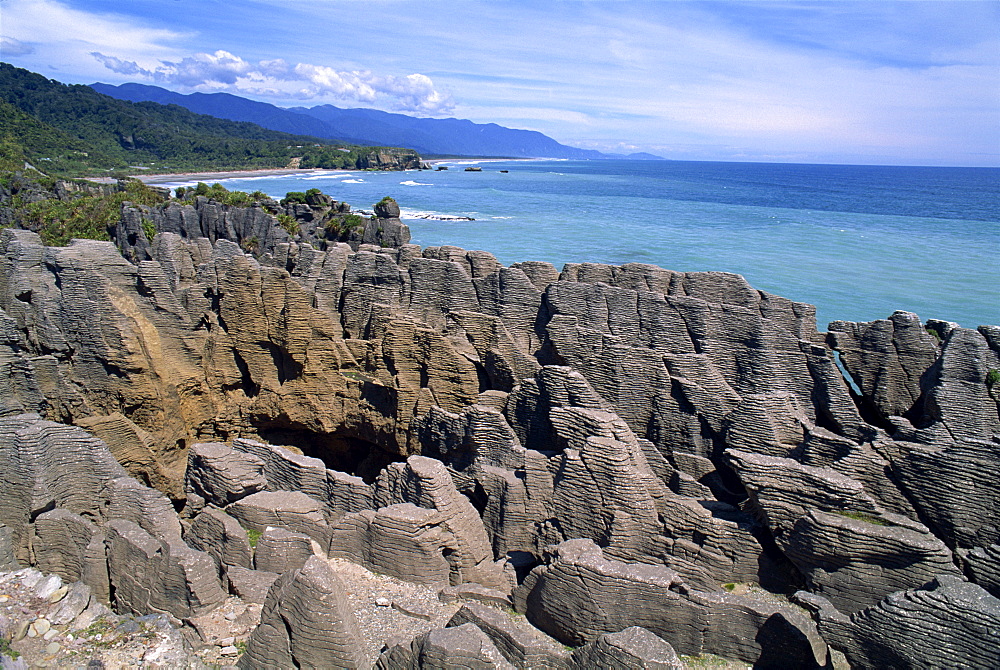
453	137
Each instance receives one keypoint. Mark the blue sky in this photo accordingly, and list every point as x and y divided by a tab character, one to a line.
914	83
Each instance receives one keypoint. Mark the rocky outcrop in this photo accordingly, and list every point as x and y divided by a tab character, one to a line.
305	623
594	437
946	623
579	594
633	647
464	646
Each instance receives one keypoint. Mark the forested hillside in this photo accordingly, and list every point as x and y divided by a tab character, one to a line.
73	129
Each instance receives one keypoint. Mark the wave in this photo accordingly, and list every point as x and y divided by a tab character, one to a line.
410	182
352	181
431	215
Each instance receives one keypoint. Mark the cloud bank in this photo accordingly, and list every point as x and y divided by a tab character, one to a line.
224	71
11	47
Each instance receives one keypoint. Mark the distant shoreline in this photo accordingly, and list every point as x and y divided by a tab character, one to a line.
172	177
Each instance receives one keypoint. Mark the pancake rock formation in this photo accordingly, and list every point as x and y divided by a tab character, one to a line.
608	466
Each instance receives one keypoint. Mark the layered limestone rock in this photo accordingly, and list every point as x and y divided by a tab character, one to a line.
579	594
633	647
946	623
437	416
305	623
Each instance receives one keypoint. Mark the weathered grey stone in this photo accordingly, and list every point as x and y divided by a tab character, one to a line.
149	575
250	585
425	482
221	475
61	540
71	606
855	562
220	536
464	646
285	470
305	623
292	510
7	560
578	594
956	487
125	498
633	648
45	465
947	623
520	643
886	358
403	541
279	550
984	567
474	592
783	490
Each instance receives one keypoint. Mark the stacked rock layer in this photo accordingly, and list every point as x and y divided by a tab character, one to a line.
643	462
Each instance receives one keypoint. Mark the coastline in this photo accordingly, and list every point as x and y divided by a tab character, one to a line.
228	174
171	177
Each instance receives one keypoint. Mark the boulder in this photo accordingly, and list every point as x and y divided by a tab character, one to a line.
291	510
578	594
523	645
60	544
305	623
464	646
634	648
425	482
149	575
403	540
220	475
946	623
221	536
279	550
251	586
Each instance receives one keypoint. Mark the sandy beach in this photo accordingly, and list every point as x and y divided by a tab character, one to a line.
217	176
172	177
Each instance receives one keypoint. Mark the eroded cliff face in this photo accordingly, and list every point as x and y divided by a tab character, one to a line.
652	433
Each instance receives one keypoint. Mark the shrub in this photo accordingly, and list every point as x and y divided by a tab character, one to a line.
294	198
87	217
992	378
289	223
148	229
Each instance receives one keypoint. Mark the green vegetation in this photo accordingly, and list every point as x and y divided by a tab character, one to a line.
87	217
932	331
992	378
386	200
709	661
148	229
253	536
339	225
74	131
861	516
6	650
729	587
294	198
251	245
289	223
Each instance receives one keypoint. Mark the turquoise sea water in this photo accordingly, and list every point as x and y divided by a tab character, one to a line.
856	241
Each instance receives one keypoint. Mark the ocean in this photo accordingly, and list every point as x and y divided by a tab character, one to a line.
859	242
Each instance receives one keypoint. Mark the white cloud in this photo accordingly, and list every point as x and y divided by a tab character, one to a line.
226	71
63	29
11	47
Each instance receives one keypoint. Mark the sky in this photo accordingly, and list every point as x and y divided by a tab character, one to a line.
888	82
